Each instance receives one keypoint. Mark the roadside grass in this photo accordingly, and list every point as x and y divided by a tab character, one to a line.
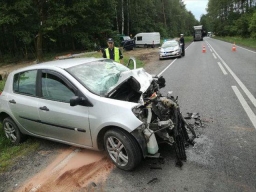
10	153
246	42
188	39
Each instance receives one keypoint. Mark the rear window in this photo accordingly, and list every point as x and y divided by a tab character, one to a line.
25	83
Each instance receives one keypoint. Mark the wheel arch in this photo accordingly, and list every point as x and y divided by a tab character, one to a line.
136	135
3	115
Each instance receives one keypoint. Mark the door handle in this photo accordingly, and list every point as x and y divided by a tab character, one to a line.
12	101
44	108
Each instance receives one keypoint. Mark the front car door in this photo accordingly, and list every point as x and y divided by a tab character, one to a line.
61	121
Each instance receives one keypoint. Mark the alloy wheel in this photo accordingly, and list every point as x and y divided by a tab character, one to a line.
117	151
10	132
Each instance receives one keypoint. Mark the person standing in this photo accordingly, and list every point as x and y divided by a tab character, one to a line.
112	52
182	43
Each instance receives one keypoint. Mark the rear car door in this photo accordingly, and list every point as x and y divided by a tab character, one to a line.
23	101
61	121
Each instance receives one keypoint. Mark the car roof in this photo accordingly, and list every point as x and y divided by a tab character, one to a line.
63	63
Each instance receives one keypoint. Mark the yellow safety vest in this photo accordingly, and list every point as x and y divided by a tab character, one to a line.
116	54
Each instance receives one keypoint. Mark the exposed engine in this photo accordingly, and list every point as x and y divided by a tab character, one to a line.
161	116
166	121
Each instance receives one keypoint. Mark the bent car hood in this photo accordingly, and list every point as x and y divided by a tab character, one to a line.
140	75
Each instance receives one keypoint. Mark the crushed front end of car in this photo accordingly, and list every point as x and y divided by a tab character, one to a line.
162	121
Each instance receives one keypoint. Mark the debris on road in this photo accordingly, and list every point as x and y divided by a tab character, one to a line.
155	167
154	180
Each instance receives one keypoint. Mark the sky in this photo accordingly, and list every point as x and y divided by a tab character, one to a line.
197	7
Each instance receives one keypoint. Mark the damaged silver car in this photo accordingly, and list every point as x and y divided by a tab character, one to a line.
94	103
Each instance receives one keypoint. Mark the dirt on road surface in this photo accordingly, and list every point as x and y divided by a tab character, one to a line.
58	167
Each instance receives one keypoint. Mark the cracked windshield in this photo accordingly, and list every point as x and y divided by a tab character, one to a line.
99	76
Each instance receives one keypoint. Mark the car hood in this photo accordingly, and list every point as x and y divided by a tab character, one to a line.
138	79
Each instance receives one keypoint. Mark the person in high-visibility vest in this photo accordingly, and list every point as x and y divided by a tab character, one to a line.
112	52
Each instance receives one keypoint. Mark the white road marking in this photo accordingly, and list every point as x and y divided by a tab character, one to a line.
166	68
245	105
245	49
247	92
65	161
210	49
214	56
34	189
222	69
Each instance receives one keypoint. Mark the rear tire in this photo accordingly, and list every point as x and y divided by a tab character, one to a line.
12	131
122	149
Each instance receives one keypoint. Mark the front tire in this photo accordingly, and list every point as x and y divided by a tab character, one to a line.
12	131
122	149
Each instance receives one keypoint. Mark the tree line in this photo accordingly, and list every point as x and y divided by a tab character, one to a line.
30	29
231	18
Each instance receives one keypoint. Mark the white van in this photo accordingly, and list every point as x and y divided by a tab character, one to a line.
151	39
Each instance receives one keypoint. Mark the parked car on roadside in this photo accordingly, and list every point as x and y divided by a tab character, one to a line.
169	49
127	43
92	103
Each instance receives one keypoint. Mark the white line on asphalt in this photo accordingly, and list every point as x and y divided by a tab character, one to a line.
214	56
242	48
222	69
245	105
247	92
210	49
171	63
166	68
246	49
65	161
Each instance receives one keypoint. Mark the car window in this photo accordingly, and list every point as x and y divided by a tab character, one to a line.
54	88
139	38
98	76
25	82
170	44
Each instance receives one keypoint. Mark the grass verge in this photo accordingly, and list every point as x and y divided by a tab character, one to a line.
245	42
10	153
188	39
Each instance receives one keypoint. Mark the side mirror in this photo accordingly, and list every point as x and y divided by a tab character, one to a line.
75	100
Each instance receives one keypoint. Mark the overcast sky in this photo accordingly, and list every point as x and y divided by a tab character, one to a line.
197	7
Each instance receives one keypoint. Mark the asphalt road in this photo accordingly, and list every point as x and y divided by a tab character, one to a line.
220	84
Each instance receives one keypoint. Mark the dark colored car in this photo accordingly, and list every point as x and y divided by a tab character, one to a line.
127	43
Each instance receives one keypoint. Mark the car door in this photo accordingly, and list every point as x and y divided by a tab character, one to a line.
60	120
23	101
